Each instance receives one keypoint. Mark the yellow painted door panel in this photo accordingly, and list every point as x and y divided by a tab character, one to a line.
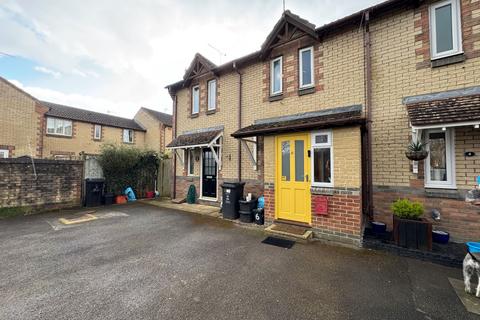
292	181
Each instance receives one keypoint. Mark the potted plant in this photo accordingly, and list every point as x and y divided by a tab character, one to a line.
416	151
409	229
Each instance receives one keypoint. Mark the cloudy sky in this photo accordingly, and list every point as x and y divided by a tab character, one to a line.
116	56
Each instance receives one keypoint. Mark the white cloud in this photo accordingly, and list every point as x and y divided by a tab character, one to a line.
126	53
54	74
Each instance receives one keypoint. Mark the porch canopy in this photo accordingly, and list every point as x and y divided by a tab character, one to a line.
329	118
203	138
446	109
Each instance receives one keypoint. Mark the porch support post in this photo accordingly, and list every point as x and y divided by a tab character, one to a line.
179	157
250	154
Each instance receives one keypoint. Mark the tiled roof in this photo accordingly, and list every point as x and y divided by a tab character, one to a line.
458	109
164	118
329	118
66	112
194	139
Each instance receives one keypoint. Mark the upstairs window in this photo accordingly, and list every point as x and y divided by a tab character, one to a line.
97	132
59	127
195	99
4	153
322	159
127	136
445	29
276	76
212	95
306	67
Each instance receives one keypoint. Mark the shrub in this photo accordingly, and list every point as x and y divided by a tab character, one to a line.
406	209
128	166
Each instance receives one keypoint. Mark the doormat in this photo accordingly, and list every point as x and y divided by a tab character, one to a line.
278	242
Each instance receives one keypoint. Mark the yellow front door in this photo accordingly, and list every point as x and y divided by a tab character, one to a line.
292	178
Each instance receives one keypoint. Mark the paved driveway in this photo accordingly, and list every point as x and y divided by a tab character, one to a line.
149	263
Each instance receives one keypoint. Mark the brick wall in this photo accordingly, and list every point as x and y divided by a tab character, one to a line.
20	121
58	183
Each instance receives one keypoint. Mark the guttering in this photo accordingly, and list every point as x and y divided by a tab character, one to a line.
240	80
368	110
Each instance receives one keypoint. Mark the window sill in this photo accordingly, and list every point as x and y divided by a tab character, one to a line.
58	136
194	115
209	112
445	61
443	193
128	142
276	97
307	90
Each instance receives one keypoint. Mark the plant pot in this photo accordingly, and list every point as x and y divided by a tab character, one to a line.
416	155
440	236
413	234
379	227
108	198
120	199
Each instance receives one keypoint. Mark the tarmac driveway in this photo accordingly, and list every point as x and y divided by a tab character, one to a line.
143	262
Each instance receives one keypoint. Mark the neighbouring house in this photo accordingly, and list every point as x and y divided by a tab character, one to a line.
43	129
318	120
158	126
70	131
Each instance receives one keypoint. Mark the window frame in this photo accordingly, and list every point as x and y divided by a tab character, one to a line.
95	137
190	159
193	100
209	92
456	29
55	121
133	136
300	65
327	145
272	78
449	159
6	152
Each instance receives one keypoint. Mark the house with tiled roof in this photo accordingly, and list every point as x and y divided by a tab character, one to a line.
158	125
41	129
318	120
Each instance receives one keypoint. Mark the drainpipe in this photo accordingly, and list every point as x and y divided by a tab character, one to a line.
240	81
174	135
368	110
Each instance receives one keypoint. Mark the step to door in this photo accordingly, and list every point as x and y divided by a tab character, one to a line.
290	232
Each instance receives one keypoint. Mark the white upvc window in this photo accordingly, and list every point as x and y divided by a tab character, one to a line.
306	67
97	132
440	163
212	95
445	29
191	162
4	153
276	76
61	127
128	136
322	159
195	99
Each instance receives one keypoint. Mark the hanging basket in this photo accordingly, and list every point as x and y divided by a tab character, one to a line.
416	155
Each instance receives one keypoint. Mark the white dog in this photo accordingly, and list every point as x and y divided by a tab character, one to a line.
471	267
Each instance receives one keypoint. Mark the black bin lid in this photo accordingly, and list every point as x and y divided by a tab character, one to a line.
232	185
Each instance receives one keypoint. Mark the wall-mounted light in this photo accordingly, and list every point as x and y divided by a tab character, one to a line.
444	129
476	126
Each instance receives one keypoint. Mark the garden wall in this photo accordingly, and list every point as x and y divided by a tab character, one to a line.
41	185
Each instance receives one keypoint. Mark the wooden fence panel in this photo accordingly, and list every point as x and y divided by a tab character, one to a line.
164	177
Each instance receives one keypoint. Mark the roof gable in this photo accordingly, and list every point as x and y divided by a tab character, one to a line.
199	66
288	28
164	118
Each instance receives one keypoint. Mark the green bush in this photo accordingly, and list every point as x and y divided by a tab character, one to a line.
125	166
406	209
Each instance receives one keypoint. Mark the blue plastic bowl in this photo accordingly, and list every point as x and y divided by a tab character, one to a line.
379	227
473	247
440	236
